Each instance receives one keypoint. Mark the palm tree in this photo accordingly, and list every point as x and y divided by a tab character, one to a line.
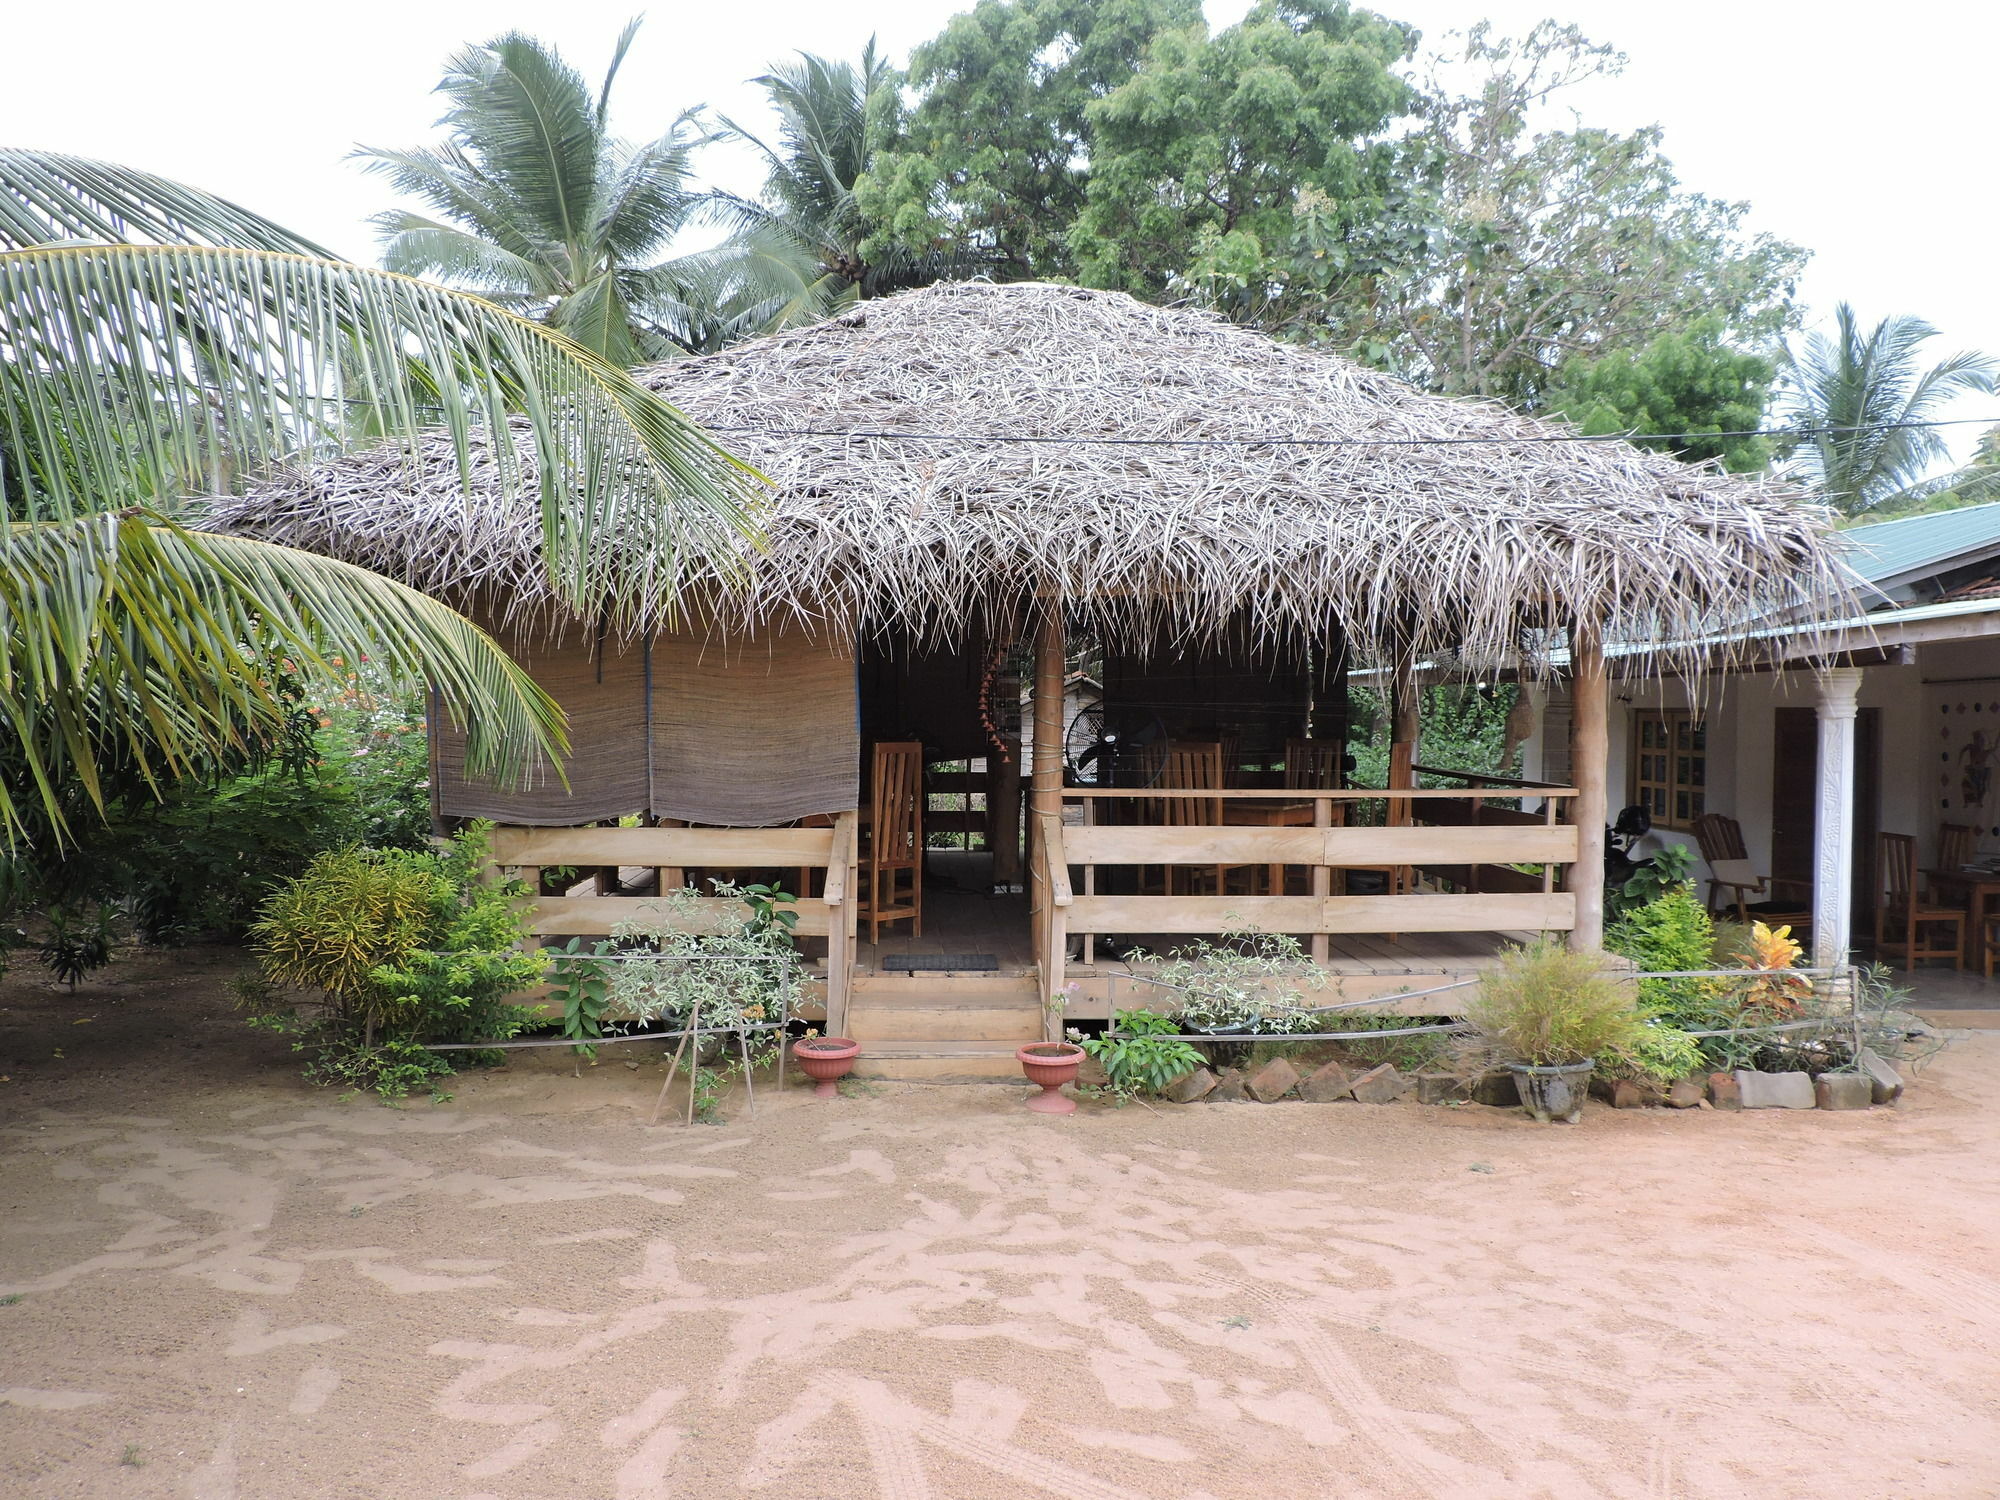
833	120
542	210
1856	397
157	344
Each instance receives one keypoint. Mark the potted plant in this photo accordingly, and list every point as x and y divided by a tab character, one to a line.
1549	1016
826	1060
1050	1065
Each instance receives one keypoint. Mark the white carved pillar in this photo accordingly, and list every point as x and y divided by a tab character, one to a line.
1833	827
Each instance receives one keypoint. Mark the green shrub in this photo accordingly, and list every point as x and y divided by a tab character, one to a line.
1245	983
403	948
1672	932
193	859
1145	1057
1546	1006
1732	941
1666	870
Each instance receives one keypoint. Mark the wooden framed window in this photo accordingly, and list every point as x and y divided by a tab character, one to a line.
1670	766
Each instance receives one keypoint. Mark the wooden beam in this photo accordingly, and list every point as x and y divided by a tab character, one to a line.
1045	793
1511	843
1055	842
714	848
1590	758
1475	912
1003	812
595	916
840	858
1416	794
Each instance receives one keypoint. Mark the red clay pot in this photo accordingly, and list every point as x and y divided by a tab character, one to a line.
1051	1065
825	1060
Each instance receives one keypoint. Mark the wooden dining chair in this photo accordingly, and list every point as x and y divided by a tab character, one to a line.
1905	919
1720	838
1313	763
1957	845
892	841
1194	765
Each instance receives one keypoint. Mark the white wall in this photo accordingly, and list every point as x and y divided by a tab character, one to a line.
1741	714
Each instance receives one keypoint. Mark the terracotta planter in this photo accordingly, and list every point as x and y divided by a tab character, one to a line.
1553	1093
826	1060
1050	1065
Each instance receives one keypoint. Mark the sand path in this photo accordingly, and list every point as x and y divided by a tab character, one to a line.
248	1289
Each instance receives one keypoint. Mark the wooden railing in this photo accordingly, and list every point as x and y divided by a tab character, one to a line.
1325	849
1050	915
830	915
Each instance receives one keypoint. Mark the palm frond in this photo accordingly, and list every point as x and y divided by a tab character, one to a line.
457	188
529	118
1860	395
47	197
128	628
138	374
647	196
415	246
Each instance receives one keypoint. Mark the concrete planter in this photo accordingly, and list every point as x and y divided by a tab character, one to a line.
1556	1092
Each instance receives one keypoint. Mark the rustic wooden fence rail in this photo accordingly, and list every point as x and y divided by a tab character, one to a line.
674	850
1461	844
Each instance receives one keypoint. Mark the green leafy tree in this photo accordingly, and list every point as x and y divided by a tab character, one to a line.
1687	380
1215	138
835	121
539	207
1498	253
136	377
1855	394
996	155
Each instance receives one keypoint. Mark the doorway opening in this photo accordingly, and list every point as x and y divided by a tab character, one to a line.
961	703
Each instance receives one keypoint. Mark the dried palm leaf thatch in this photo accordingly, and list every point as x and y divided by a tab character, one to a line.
1442	526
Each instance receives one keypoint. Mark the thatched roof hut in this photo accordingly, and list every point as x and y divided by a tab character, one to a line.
951	452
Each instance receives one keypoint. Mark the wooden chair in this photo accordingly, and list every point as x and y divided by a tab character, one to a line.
1313	763
1720	838
1904	910
1194	766
1958	846
892	841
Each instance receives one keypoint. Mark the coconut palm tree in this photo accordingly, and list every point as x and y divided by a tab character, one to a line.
1857	397
833	120
157	344
538	207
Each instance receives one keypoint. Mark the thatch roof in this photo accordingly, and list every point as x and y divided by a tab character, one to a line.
1456	515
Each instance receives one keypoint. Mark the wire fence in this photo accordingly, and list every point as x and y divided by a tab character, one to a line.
1848	1017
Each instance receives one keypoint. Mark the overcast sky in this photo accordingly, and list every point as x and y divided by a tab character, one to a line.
1865	133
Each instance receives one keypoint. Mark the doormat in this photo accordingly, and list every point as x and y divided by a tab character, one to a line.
939	962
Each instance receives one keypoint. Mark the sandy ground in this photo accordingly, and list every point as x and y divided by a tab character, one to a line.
230	1286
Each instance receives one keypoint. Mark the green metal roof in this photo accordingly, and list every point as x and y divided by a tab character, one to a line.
1895	549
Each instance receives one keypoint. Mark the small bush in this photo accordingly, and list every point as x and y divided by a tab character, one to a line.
1669	933
1145	1057
403	948
1546	1006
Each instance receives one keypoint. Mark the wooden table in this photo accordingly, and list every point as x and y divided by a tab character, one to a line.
1979	888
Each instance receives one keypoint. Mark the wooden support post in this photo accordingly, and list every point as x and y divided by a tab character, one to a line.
1405	719
1003	813
839	898
1045	787
1322	878
1590	756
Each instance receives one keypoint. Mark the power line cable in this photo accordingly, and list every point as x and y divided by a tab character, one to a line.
1061	439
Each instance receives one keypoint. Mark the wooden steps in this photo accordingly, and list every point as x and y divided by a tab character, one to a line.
939	1062
943	1027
